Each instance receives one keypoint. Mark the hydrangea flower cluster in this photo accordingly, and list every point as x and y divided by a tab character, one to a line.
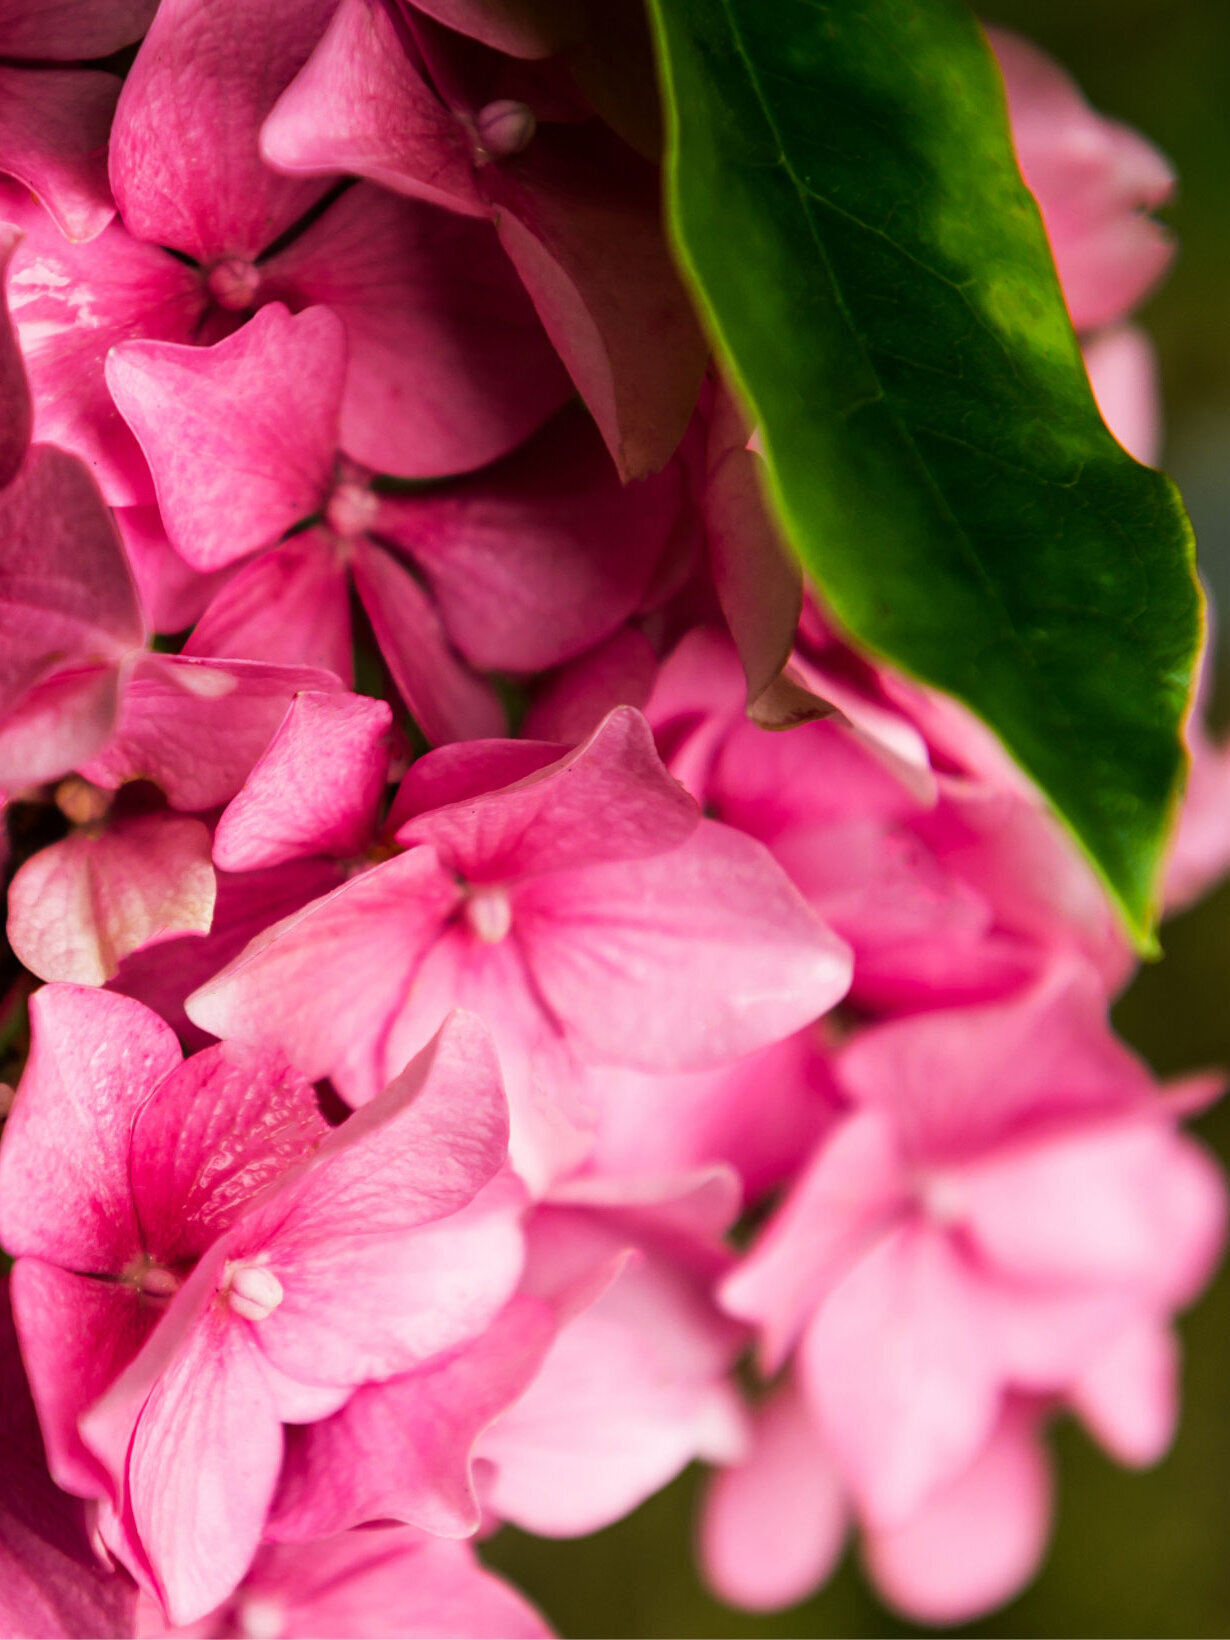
455	878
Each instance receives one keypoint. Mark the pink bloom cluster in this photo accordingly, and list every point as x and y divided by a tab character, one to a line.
467	875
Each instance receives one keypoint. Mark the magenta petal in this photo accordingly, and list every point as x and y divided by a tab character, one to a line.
467	768
16	410
580	216
316	788
51	1583
79	907
1128	1395
449	702
240	436
71	304
71	30
401	1450
197	727
59	724
173	594
67	598
205	77
53	140
611	799
361	106
543	555
77	1336
520	28
375	928
220	1128
448	365
290	605
64	1188
773	1526
692	957
620	671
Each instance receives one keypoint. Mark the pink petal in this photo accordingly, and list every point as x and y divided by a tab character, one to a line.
78	908
316	788
67	598
773	1527
51	1582
448	365
511	26
898	1371
580	216
197	727
240	436
1123	373
1128	1395
974	1544
401	1450
16	410
58	725
72	304
290	605
376	928
173	594
611	799
77	1336
53	138
617	672
542	556
360	105
467	768
204	79
698	955
64	1188
224	1125
447	700
69	30
850	1196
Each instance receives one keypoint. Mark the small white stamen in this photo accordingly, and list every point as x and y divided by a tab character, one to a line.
261	1617
233	283
941	1198
253	1291
352	509
489	912
158	1283
504	128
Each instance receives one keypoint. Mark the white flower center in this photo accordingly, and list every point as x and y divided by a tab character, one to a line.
252	1290
489	912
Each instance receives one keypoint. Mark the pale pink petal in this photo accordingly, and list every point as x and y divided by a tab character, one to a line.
53	140
196	727
401	1450
1128	1395
773	1527
975	1543
611	799
52	1584
572	703
376	928
361	106
1123	373
173	594
64	1189
683	960
898	1370
240	436
851	1195
77	1336
316	788
72	304
79	907
16	410
447	700
290	605
70	30
58	725
448	365
205	77
225	1124
538	558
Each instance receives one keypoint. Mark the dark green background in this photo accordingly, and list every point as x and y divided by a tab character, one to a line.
1133	1554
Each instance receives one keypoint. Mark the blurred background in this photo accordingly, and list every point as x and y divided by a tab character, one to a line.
1133	1554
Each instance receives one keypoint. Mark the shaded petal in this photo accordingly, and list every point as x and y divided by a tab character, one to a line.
315	789
196	727
683	960
70	30
467	768
240	436
16	410
401	1450
611	799
448	365
64	1189
53	139
617	672
205	77
520	28
77	908
773	1527
173	594
375	929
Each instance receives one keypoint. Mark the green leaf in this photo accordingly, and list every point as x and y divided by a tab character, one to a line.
846	204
